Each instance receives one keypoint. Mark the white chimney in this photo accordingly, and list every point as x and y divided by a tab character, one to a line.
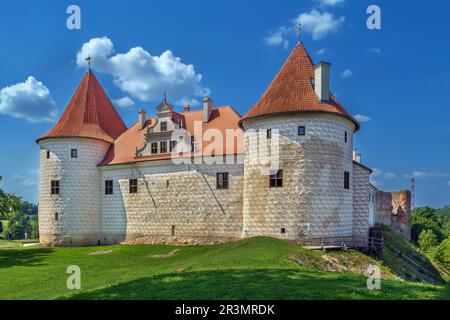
322	81
356	156
187	108
142	118
207	109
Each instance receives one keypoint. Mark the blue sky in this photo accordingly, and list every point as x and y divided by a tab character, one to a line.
396	77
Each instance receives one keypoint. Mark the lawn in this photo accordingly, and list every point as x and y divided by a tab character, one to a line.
257	268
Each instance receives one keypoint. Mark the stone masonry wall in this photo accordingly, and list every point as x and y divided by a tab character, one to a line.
313	201
186	205
361	200
394	209
78	204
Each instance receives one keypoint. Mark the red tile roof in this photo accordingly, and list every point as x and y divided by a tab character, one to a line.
222	118
292	91
89	114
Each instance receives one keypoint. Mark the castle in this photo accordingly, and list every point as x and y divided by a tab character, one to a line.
166	180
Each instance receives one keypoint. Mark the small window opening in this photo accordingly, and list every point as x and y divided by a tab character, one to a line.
283	230
48	154
56	216
301	130
133	185
269	133
74	153
173	230
54	187
276	180
346	180
222	180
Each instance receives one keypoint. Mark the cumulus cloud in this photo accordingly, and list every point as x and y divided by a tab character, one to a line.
142	75
319	24
322	51
362	118
278	38
347	73
124	102
330	3
30	100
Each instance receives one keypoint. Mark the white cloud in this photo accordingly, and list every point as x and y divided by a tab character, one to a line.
378	176
124	102
330	3
28	182
278	38
427	174
347	73
319	24
322	51
448	183
375	50
142	75
30	100
362	118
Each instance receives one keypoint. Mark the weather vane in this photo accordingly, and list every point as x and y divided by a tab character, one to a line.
299	31
88	59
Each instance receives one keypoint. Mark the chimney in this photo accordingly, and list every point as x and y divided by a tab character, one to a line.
142	118
322	81
356	156
207	109
186	108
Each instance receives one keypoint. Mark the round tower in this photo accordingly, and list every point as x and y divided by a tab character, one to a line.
308	193
70	183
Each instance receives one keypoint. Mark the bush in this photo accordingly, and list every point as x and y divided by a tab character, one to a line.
427	241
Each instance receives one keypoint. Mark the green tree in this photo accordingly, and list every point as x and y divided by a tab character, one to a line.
425	219
427	241
442	254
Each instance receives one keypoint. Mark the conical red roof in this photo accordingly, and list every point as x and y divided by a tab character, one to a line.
89	114
292	91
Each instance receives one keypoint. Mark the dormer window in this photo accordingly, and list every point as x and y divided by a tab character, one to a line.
164	126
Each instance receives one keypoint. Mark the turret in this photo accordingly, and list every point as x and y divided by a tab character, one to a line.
308	194
70	184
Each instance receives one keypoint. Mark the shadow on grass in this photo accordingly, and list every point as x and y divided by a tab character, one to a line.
23	257
260	284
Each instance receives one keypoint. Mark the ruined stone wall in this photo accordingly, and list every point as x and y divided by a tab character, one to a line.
313	201
186	207
78	204
361	200
394	209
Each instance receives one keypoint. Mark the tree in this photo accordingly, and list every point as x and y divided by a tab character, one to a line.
425	219
427	241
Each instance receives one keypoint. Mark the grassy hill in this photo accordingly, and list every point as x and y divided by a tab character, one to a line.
257	268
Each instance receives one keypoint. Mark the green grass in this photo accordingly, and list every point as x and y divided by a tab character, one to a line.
257	268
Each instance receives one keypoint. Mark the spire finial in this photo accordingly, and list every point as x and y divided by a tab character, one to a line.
164	98
88	59
299	32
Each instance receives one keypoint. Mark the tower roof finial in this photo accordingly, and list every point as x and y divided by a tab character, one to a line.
88	59
164	97
299	32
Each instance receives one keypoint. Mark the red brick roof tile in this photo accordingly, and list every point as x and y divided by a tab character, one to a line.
89	114
292	91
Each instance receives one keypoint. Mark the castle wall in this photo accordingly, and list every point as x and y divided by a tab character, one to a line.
186	202
361	200
313	201
78	204
394	209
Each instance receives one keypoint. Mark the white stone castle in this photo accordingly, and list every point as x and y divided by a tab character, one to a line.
104	183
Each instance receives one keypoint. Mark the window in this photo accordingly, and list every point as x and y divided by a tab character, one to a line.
173	146
133	185
173	230
283	230
346	180
54	187
48	154
164	126
56	216
163	147
276	180
74	153
222	180
154	147
109	187
301	130
269	133
346	136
